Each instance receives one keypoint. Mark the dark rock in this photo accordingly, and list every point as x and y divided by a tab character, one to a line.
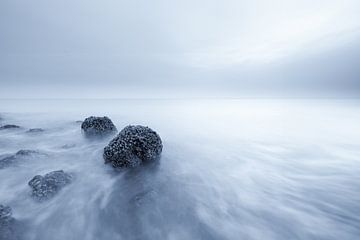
9	126
133	146
45	187
8	160
35	130
98	126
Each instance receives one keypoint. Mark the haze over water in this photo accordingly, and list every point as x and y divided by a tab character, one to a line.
230	169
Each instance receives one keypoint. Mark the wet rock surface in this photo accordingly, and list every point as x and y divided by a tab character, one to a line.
9	126
133	146
11	159
98	126
7	224
45	187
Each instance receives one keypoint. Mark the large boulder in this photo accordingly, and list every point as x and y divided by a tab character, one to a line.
98	126
45	187
133	146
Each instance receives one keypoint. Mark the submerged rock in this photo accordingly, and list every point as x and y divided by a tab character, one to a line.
8	160
7	224
98	126
9	126
35	130
67	146
45	187
5	213
133	146
26	152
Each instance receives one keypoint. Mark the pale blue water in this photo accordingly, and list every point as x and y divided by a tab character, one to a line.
230	169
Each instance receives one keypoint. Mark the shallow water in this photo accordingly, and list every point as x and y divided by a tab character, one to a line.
230	169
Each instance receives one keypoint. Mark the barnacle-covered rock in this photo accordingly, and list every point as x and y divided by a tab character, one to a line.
133	146
98	126
45	187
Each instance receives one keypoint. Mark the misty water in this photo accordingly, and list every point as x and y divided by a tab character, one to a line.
230	169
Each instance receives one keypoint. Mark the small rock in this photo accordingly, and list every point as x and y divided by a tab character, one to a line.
8	160
7	224
35	130
26	152
5	213
9	126
133	146
98	126
67	146
45	187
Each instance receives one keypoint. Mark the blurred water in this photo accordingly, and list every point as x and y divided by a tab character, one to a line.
230	169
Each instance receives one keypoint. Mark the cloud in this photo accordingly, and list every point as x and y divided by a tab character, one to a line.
166	45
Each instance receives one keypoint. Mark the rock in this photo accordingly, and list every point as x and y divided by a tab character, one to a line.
7	224
8	160
45	187
25	152
98	126
133	146
35	130
5	213
9	126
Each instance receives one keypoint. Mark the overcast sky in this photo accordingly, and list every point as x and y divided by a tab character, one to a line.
141	48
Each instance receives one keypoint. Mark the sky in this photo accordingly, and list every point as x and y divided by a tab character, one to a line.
162	48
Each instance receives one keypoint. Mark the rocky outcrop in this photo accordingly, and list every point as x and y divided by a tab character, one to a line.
132	146
98	126
45	187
